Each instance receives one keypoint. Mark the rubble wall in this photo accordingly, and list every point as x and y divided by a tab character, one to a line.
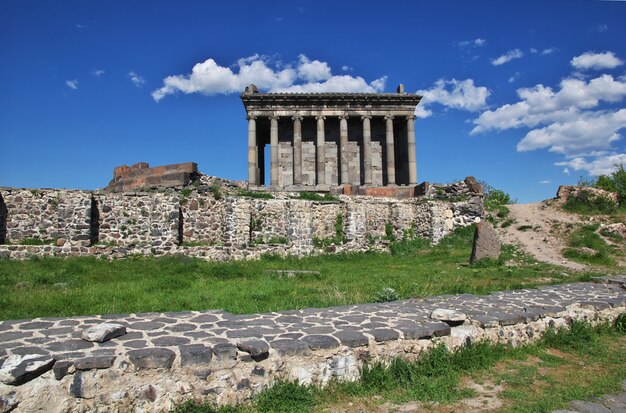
193	222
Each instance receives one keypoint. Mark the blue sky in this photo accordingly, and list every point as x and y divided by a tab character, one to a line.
524	95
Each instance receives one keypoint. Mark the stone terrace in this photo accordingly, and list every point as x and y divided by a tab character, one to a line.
166	358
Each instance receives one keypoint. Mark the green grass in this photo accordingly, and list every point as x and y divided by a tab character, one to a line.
88	285
586	203
255	194
313	196
585	237
436	376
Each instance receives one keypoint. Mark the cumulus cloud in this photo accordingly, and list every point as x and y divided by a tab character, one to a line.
602	165
457	94
578	120
136	79
596	61
542	105
209	78
507	57
313	71
72	84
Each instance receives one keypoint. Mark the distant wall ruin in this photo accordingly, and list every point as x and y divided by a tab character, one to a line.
140	175
202	224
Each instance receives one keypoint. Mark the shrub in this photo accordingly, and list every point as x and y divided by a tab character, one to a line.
255	194
586	202
386	294
312	196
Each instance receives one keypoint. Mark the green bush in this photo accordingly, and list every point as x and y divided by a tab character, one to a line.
615	182
313	196
287	397
585	237
586	202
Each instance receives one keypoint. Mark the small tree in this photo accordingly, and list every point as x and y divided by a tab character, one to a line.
614	182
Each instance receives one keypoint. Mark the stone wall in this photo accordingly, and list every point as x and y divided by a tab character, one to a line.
163	359
196	223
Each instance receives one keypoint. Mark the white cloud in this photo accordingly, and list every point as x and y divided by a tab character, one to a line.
478	42
81	26
136	79
514	77
97	72
346	68
313	71
507	57
457	94
596	61
602	165
602	28
578	120
533	50
209	78
549	50
589	130
541	105
545	182
72	84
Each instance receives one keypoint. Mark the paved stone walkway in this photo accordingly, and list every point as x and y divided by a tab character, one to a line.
611	403
219	333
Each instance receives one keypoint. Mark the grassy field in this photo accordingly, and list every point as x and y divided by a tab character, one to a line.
82	286
535	378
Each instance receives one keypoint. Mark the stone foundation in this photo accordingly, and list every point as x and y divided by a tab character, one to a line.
164	359
194	222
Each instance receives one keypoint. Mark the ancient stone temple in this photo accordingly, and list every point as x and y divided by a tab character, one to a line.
318	141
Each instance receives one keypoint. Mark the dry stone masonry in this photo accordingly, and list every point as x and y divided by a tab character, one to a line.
150	362
197	221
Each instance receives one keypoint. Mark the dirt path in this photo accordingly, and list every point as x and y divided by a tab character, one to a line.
538	229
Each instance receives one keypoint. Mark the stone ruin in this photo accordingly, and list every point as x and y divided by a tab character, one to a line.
141	176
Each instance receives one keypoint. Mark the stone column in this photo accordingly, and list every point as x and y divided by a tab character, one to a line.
343	148
391	164
297	149
410	131
274	151
253	155
367	150
320	149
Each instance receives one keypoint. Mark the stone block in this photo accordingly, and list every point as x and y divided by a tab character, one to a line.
487	244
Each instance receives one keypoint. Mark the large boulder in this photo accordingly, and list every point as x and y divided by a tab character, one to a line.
487	244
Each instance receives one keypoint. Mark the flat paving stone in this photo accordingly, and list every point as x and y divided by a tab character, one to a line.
254	347
351	338
384	334
94	362
152	358
168	341
195	355
318	341
69	345
225	351
290	347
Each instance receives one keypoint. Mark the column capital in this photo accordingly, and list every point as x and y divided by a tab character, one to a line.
250	117
389	117
274	117
320	117
297	116
411	117
343	117
366	117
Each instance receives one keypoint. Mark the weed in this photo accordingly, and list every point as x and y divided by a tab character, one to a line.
390	232
620	323
586	202
313	196
507	223
255	194
287	397
36	241
185	192
525	228
586	238
216	191
386	294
